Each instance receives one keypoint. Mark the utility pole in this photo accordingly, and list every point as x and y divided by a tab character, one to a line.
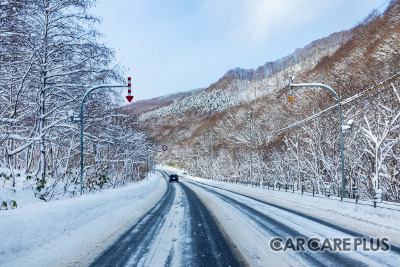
147	167
197	161
287	142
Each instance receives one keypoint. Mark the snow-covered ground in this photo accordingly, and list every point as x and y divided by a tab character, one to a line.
364	218
23	191
73	231
251	225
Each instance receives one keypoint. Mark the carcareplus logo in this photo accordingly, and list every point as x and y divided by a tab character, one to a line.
315	244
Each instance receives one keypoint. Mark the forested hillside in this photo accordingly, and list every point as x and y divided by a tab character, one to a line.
244	128
50	57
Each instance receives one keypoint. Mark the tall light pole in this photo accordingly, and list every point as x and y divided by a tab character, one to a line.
81	121
291	97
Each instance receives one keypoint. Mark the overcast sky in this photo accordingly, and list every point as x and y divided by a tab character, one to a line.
178	45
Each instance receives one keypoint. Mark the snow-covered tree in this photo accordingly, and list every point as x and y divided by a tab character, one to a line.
50	57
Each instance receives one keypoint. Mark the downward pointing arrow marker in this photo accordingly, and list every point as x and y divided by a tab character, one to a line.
129	96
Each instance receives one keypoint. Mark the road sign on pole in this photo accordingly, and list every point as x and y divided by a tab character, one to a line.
129	96
164	148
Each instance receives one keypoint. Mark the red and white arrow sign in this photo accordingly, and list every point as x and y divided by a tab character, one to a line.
129	96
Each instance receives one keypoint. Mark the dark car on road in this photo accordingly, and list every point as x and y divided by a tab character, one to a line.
173	178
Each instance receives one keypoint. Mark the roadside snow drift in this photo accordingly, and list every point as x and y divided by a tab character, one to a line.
73	231
382	221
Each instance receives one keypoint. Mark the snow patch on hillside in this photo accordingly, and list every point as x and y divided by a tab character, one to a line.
239	85
203	101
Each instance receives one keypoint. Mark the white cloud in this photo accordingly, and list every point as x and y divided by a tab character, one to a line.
256	20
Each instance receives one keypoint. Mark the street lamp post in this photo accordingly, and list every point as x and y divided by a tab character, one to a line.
291	97
81	121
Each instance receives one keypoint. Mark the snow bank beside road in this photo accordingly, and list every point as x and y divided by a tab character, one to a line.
372	221
377	222
54	233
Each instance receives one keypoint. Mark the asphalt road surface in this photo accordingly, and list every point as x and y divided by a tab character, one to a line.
178	231
195	224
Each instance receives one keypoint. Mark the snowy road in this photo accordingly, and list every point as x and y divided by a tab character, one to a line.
251	224
178	231
196	224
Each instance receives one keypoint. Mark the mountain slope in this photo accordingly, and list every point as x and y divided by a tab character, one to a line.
215	123
148	105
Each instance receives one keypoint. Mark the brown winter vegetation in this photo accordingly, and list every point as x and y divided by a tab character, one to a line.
349	62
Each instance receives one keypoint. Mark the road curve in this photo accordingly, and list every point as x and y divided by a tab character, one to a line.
178	231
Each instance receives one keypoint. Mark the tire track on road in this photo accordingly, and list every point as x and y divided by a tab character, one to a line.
139	237
275	228
177	231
